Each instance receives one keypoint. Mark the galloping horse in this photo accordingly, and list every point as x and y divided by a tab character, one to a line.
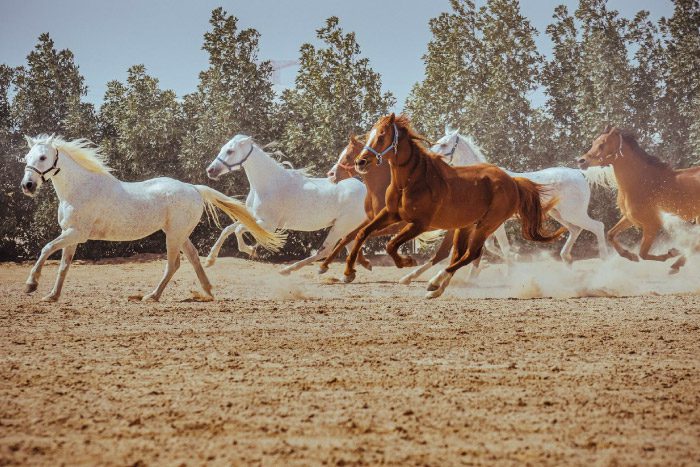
94	205
288	199
566	184
377	179
647	187
428	194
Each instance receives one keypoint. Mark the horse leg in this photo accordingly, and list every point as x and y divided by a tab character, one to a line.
339	246
392	248
440	254
574	232
598	229
173	253
503	243
193	257
66	238
622	225
437	285
649	232
211	259
381	220
66	260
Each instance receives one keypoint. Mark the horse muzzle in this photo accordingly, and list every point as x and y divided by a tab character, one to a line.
583	163
29	188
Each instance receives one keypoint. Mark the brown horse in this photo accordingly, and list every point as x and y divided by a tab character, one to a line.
428	194
646	188
377	179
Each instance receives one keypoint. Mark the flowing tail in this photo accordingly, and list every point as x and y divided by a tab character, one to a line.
237	211
427	239
532	212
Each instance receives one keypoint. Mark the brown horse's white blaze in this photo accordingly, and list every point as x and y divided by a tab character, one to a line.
647	187
428	194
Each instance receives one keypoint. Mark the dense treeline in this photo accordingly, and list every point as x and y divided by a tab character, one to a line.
481	70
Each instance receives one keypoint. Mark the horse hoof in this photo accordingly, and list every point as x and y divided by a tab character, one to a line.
150	298
672	253
432	287
433	294
50	298
29	288
322	269
405	280
347	278
209	262
285	271
676	267
367	266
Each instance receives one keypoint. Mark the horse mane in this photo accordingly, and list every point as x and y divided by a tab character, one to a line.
629	138
277	157
83	151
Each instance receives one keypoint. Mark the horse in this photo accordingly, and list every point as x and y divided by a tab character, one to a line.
569	185
95	205
281	198
377	180
429	194
647	187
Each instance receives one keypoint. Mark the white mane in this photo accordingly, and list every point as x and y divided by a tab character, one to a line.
82	151
473	147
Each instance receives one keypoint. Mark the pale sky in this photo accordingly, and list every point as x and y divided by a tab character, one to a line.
107	37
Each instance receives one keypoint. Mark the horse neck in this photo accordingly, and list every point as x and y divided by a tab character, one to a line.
402	164
73	179
378	178
632	171
262	171
465	155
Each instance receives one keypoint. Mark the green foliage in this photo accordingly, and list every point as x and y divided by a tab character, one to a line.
336	93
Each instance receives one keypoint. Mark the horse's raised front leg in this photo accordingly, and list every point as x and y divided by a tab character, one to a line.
66	260
381	220
622	225
173	250
392	248
66	238
214	252
649	233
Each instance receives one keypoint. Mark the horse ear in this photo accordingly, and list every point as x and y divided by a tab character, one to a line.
29	140
607	129
449	129
392	117
49	141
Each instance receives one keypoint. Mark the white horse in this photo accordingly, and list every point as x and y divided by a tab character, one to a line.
569	185
94	205
288	199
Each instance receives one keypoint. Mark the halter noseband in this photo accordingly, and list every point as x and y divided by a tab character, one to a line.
230	167
394	145
41	174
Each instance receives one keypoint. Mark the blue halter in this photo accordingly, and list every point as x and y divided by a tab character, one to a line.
394	145
236	164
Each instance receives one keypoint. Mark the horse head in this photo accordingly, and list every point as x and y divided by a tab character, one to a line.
604	150
41	164
231	157
383	140
345	167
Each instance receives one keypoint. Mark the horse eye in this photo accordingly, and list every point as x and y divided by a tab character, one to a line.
42	158
229	152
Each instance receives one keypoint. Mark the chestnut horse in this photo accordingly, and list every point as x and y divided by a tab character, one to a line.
377	180
428	194
647	187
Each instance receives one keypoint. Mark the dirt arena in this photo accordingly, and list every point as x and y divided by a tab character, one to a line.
303	370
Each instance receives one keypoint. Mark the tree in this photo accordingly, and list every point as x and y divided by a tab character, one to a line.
681	95
141	127
234	95
49	92
336	93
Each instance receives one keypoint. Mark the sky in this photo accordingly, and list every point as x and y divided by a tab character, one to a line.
107	37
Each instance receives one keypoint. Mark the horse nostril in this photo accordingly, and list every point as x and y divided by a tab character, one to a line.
581	160
29	185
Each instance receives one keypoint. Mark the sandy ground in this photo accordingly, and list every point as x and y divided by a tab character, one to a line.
302	370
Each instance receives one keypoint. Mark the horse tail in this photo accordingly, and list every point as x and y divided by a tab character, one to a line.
237	211
532	212
603	177
426	239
